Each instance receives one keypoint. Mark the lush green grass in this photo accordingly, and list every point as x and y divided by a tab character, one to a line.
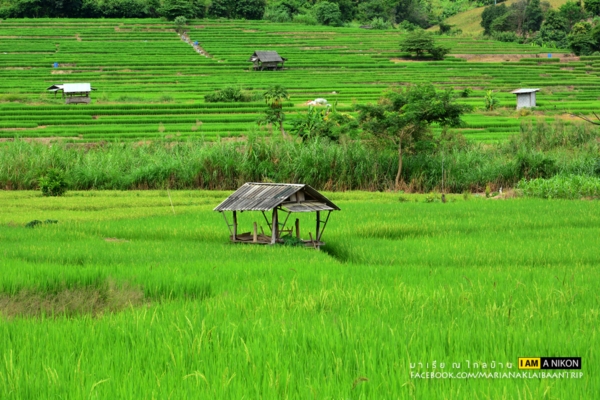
151	84
562	187
397	284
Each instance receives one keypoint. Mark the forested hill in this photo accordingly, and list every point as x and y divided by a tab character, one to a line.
469	21
423	13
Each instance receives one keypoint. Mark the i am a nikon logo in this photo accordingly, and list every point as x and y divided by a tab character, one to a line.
549	362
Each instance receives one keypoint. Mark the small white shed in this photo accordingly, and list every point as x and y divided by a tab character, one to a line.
73	93
525	97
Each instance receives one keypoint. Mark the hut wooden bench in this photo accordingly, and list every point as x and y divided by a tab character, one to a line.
276	198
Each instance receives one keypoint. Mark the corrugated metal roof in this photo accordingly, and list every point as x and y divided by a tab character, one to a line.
308	206
519	91
77	87
266	56
266	196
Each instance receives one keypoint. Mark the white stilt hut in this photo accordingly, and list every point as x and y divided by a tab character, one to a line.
525	97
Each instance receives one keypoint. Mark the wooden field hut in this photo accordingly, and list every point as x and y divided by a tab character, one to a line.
267	60
279	200
525	97
73	93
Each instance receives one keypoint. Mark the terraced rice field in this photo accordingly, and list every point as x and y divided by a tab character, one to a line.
151	84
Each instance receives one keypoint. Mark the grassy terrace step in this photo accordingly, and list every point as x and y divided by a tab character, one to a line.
146	75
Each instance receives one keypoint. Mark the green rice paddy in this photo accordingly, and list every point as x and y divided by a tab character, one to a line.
151	84
127	297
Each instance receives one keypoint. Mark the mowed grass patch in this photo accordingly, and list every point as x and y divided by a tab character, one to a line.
398	283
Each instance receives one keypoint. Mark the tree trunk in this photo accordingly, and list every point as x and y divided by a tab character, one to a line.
281	128
399	174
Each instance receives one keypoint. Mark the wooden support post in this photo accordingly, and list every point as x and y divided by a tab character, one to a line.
234	226
275	227
314	244
227	222
254	234
324	226
317	235
297	228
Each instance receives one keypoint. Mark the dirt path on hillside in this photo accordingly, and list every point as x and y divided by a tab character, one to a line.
197	48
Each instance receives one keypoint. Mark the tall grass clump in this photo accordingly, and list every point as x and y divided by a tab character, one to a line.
198	164
445	164
232	94
562	187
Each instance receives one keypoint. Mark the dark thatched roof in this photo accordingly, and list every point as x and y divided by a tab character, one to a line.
266	196
266	56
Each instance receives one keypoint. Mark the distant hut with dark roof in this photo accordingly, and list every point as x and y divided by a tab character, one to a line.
267	60
281	199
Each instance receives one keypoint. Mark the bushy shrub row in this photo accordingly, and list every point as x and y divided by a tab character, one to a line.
350	165
562	187
232	94
170	9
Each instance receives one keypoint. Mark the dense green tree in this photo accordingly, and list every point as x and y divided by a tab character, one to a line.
555	20
410	11
572	12
419	43
368	10
126	8
172	9
488	16
580	39
533	16
180	23
42	8
403	117
413	11
250	9
276	14
518	15
328	13
505	23
592	6
291	6
347	9
554	29
237	9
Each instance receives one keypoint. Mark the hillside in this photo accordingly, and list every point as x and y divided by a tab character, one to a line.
470	21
